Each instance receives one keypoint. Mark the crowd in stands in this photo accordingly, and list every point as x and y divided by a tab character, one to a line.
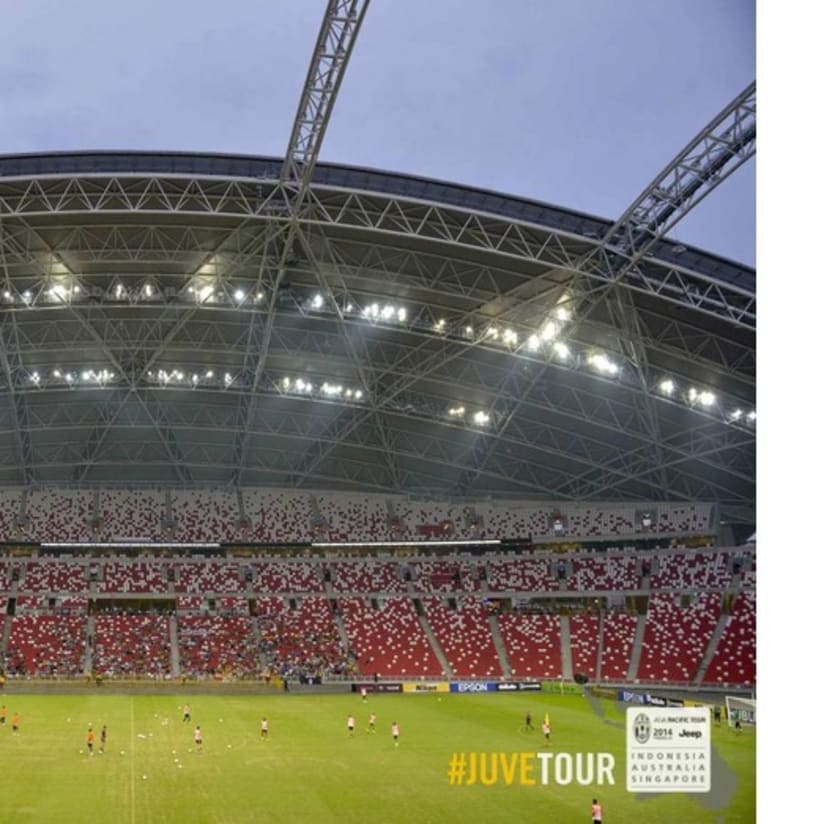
46	646
217	646
302	643
132	645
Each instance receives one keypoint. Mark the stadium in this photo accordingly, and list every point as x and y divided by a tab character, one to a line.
295	440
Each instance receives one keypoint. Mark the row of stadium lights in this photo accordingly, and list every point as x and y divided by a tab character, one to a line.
299	386
546	339
288	385
703	398
60	293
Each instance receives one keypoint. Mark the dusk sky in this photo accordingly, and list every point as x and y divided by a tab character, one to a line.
578	104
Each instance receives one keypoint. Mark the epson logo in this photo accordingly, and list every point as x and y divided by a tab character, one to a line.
467	686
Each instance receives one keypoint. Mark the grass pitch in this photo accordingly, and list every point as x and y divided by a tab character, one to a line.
310	770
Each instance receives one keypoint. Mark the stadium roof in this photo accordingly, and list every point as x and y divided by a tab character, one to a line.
168	319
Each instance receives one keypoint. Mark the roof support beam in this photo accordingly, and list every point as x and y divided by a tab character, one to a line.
336	40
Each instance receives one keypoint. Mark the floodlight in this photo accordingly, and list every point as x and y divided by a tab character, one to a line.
549	331
603	364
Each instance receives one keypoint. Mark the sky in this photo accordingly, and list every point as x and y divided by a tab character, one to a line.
578	103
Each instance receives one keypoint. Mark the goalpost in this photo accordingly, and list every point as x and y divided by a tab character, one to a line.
740	709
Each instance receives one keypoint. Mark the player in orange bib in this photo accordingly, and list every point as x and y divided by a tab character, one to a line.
90	741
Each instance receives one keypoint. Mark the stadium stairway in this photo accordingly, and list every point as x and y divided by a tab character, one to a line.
709	653
88	657
566	648
338	618
4	645
600	657
637	646
173	645
254	625
498	640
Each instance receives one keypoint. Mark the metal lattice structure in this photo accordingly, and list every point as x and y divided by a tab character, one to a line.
218	320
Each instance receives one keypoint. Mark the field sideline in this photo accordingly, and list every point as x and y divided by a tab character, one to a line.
309	769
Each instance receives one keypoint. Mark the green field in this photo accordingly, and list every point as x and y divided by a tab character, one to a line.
310	770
